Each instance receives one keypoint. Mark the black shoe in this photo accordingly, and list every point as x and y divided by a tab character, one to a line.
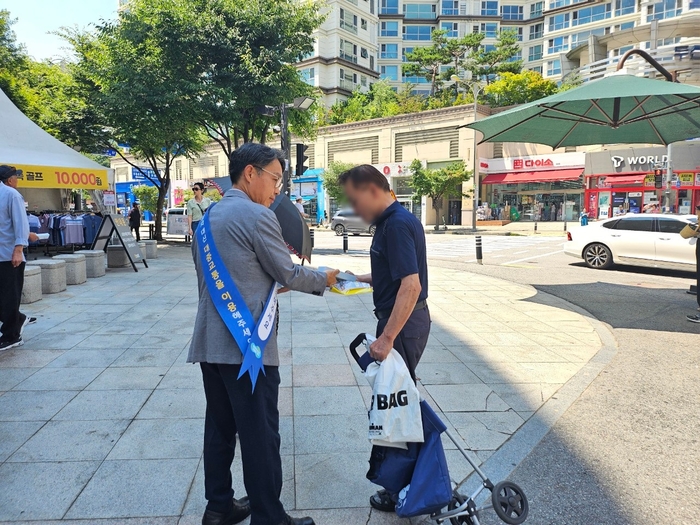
27	321
299	521
240	510
6	345
382	501
693	318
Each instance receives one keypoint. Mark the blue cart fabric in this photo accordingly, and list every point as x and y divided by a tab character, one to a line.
430	489
392	468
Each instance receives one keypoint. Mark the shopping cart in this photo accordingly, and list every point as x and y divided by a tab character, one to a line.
507	499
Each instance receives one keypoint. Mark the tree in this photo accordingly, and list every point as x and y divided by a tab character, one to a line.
380	101
134	94
518	88
570	81
147	197
330	179
13	63
426	61
211	193
438	183
489	63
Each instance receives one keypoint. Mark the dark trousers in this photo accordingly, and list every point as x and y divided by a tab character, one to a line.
233	409
11	283
697	271
137	233
412	339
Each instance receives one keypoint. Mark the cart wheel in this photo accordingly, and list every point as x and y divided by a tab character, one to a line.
457	501
510	503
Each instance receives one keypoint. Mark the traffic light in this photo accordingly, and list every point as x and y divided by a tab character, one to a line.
301	160
658	178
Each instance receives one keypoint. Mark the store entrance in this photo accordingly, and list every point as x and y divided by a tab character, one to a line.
454	212
549	207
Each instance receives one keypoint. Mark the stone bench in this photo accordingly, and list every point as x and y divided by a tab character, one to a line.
94	263
76	271
142	247
53	275
117	257
151	249
31	291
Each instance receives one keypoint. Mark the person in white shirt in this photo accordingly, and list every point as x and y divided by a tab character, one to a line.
300	206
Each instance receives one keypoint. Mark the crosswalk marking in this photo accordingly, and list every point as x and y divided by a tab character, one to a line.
463	248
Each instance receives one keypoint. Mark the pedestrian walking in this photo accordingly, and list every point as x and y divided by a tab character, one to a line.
240	256
399	277
584	217
300	206
135	221
196	206
14	236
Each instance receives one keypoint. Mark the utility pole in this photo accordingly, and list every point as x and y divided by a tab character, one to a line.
286	148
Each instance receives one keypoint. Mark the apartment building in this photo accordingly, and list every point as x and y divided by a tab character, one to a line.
557	36
345	51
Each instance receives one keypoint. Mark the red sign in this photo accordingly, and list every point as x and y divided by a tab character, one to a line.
519	164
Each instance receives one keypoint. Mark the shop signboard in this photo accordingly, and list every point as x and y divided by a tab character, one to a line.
177	222
53	177
118	225
394	169
603	204
686	179
554	161
697	179
145	175
109	198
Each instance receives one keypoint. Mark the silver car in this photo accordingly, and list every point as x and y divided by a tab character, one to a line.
347	221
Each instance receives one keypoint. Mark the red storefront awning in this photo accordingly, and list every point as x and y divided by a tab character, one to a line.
617	180
532	176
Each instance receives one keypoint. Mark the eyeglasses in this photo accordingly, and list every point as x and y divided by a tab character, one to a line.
279	179
196	189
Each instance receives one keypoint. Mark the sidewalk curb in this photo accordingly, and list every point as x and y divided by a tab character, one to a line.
509	456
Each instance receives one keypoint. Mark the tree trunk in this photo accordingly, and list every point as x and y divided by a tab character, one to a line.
437	206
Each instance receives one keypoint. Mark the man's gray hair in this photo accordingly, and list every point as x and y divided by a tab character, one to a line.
252	154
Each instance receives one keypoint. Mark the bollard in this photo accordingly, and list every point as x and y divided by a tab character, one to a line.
311	233
535	226
564	224
345	242
479	254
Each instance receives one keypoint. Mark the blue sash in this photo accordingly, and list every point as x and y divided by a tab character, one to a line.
251	337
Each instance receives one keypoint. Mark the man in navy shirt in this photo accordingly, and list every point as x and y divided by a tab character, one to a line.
399	276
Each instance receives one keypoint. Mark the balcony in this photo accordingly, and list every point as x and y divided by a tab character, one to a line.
348	56
348	85
348	26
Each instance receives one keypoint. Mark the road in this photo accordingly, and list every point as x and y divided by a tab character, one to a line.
628	451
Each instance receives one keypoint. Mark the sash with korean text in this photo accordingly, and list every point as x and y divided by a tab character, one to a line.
251	337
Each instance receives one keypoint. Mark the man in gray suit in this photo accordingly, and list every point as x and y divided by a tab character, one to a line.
249	241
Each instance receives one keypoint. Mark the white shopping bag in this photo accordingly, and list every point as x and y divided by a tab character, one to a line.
394	415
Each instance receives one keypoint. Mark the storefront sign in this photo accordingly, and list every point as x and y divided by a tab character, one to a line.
533	163
686	179
143	174
109	198
62	178
640	163
394	169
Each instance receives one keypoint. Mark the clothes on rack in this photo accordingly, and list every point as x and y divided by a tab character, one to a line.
67	229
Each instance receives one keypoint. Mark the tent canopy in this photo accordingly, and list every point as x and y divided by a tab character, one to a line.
47	162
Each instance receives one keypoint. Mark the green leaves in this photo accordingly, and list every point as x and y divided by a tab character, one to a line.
330	179
518	88
438	183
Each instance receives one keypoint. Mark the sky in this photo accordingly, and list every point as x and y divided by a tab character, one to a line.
36	18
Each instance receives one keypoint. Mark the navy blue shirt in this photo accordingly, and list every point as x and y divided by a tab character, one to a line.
398	250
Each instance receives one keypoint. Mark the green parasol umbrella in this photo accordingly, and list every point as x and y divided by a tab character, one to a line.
619	109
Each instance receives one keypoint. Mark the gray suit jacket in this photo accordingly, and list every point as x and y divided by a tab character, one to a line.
249	240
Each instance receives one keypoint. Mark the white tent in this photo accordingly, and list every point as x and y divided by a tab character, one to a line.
45	161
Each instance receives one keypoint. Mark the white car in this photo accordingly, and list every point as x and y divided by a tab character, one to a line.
651	240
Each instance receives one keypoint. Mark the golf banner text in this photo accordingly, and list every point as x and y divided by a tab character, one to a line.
62	178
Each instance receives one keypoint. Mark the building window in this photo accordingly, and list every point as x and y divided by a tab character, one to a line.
536	9
348	51
620	51
624	7
516	30
664	9
389	73
517	57
389	29
420	11
554	67
490	29
406	51
580	39
416	79
536	31
558	44
536	69
348	21
450	7
389	7
563	3
590	14
348	79
451	28
512	12
560	21
534	53
389	51
363	24
308	75
489	8
363	81
417	32
364	53
371	6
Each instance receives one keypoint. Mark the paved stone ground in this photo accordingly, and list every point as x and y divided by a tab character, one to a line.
101	418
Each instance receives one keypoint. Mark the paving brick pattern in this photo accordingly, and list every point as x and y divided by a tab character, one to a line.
101	419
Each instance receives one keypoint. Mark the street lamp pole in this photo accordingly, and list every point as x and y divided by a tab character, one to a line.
476	89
